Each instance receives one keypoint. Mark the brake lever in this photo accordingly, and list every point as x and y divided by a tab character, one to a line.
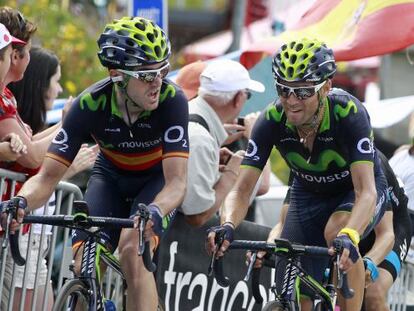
250	267
7	229
141	242
212	262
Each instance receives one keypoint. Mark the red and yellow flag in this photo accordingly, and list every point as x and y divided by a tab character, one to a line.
354	29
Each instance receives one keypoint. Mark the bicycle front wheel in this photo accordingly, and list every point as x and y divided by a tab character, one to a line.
73	296
275	306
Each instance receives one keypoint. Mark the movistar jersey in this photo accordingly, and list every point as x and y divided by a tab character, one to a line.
155	135
344	137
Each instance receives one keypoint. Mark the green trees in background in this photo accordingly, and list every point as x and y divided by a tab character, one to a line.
71	36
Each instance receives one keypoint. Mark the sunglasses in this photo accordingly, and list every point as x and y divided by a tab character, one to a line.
22	22
248	94
301	92
148	76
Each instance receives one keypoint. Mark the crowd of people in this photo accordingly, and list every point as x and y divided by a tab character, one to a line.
180	148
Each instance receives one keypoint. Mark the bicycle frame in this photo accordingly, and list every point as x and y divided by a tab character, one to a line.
294	274
90	272
326	293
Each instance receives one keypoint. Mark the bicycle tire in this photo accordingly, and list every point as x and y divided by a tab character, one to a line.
275	306
69	290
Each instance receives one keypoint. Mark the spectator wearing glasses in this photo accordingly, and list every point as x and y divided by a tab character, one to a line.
139	120
339	191
225	85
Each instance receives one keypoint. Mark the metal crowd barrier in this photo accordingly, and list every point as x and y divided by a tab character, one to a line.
59	254
402	288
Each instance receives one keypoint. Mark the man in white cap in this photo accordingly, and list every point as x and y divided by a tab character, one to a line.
225	86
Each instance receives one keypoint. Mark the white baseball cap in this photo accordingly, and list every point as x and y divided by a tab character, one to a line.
6	38
227	76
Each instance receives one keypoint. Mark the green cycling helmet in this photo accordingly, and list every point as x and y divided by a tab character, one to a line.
132	41
304	61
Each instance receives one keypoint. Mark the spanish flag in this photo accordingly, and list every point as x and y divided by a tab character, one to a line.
354	29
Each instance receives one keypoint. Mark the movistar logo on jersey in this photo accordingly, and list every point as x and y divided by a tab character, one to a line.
273	113
139	144
322	179
93	104
168	91
343	112
325	159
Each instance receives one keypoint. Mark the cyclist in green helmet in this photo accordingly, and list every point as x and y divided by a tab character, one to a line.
339	190
139	120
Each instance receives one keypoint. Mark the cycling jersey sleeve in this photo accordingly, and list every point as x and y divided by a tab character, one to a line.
261	141
74	132
356	129
174	122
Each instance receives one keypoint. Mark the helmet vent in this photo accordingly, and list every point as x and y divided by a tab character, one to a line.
313	59
156	34
126	26
299	47
290	71
111	52
150	37
286	55
123	32
293	59
292	44
139	37
140	25
284	47
146	48
130	42
158	51
129	51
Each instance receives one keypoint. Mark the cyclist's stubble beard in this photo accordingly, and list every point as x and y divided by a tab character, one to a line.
142	95
300	112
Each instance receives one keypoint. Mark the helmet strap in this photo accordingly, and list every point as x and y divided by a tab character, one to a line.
122	87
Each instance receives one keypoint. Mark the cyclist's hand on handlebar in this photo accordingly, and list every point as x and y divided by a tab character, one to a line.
219	239
349	252
153	224
17	206
259	259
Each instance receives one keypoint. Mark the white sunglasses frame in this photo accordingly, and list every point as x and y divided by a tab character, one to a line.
316	87
136	74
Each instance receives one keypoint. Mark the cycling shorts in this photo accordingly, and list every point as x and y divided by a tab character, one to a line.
307	217
111	194
394	259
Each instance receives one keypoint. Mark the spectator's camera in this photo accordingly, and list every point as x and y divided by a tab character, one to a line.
240	121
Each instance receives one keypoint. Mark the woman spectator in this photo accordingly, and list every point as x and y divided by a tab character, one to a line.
35	94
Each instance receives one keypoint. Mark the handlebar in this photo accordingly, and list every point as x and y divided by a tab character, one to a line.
84	222
280	247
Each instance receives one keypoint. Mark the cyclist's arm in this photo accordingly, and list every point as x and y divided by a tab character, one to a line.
384	239
237	201
175	175
38	189
365	196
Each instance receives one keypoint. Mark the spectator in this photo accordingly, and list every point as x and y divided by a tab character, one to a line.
224	88
188	78
35	94
11	146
